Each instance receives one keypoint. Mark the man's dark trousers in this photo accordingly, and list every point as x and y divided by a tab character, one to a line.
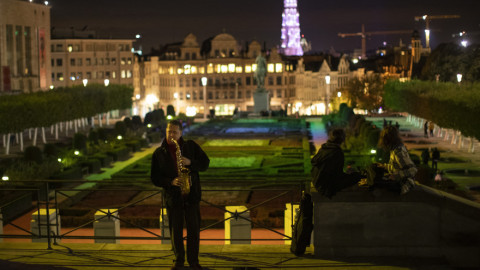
177	214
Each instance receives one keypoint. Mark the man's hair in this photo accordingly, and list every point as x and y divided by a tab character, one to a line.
176	123
389	138
337	136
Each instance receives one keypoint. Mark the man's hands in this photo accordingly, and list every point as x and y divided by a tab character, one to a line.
186	161
176	182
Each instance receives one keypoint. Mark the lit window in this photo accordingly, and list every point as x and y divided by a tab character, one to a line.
271	68
123	74
231	68
224	68
129	73
114	75
186	69
179	71
218	68
70	48
248	69
170	70
238	69
129	61
193	70
278	67
254	67
210	69
60	76
201	70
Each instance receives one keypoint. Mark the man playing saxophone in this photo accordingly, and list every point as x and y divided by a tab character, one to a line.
175	165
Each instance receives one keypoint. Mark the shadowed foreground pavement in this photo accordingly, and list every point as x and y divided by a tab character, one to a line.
123	256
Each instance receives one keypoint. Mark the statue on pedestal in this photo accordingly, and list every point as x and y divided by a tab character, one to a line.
261	97
261	72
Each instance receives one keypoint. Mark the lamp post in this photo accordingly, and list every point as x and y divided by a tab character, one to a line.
106	82
175	95
459	78
85	82
204	83
327	90
236	95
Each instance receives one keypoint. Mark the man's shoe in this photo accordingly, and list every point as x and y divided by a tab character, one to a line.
196	266
177	266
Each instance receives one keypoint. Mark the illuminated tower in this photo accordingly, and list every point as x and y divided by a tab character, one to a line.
291	29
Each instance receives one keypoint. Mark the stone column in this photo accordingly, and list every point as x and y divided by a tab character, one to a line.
38	225
107	224
237	228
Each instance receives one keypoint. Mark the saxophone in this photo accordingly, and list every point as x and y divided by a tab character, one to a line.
183	172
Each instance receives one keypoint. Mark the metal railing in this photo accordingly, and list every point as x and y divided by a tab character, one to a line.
50	198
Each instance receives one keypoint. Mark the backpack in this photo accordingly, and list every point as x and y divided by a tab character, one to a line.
302	230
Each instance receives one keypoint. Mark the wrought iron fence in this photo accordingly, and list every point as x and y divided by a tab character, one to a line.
50	197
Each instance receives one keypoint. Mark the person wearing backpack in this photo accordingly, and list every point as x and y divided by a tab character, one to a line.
327	172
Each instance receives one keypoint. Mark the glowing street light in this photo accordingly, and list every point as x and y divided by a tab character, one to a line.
204	83
327	90
85	82
464	43
459	78
176	96
5	178
106	82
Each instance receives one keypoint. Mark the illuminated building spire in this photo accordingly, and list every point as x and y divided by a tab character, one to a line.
291	29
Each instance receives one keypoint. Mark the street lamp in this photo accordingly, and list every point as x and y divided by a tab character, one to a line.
85	82
175	95
204	83
327	90
106	82
459	78
236	95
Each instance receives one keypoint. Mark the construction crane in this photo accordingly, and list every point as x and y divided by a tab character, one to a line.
427	19
364	35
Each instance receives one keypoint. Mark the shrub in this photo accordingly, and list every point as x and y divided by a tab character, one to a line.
50	150
170	110
120	128
80	142
93	137
102	134
137	121
33	154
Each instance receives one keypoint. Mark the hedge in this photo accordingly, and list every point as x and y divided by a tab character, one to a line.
42	109
449	105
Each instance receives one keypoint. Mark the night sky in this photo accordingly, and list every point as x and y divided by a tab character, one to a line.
161	21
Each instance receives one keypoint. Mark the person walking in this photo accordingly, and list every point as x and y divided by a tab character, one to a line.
425	129
435	158
431	127
425	156
168	160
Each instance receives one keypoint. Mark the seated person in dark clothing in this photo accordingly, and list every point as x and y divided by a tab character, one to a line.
327	166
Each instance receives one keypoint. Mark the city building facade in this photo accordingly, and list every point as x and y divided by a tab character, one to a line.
24	43
173	76
77	61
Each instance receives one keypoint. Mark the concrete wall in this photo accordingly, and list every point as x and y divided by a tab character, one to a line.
423	223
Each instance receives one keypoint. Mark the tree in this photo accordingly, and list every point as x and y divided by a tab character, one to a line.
366	92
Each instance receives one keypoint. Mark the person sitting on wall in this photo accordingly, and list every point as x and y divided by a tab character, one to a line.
328	177
396	175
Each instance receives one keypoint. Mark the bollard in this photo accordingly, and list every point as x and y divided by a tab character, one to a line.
38	225
164	228
237	228
108	226
289	220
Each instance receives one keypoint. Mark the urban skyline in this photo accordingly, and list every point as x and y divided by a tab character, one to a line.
161	22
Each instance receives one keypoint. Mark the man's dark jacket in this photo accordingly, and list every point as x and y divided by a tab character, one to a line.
164	170
327	169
